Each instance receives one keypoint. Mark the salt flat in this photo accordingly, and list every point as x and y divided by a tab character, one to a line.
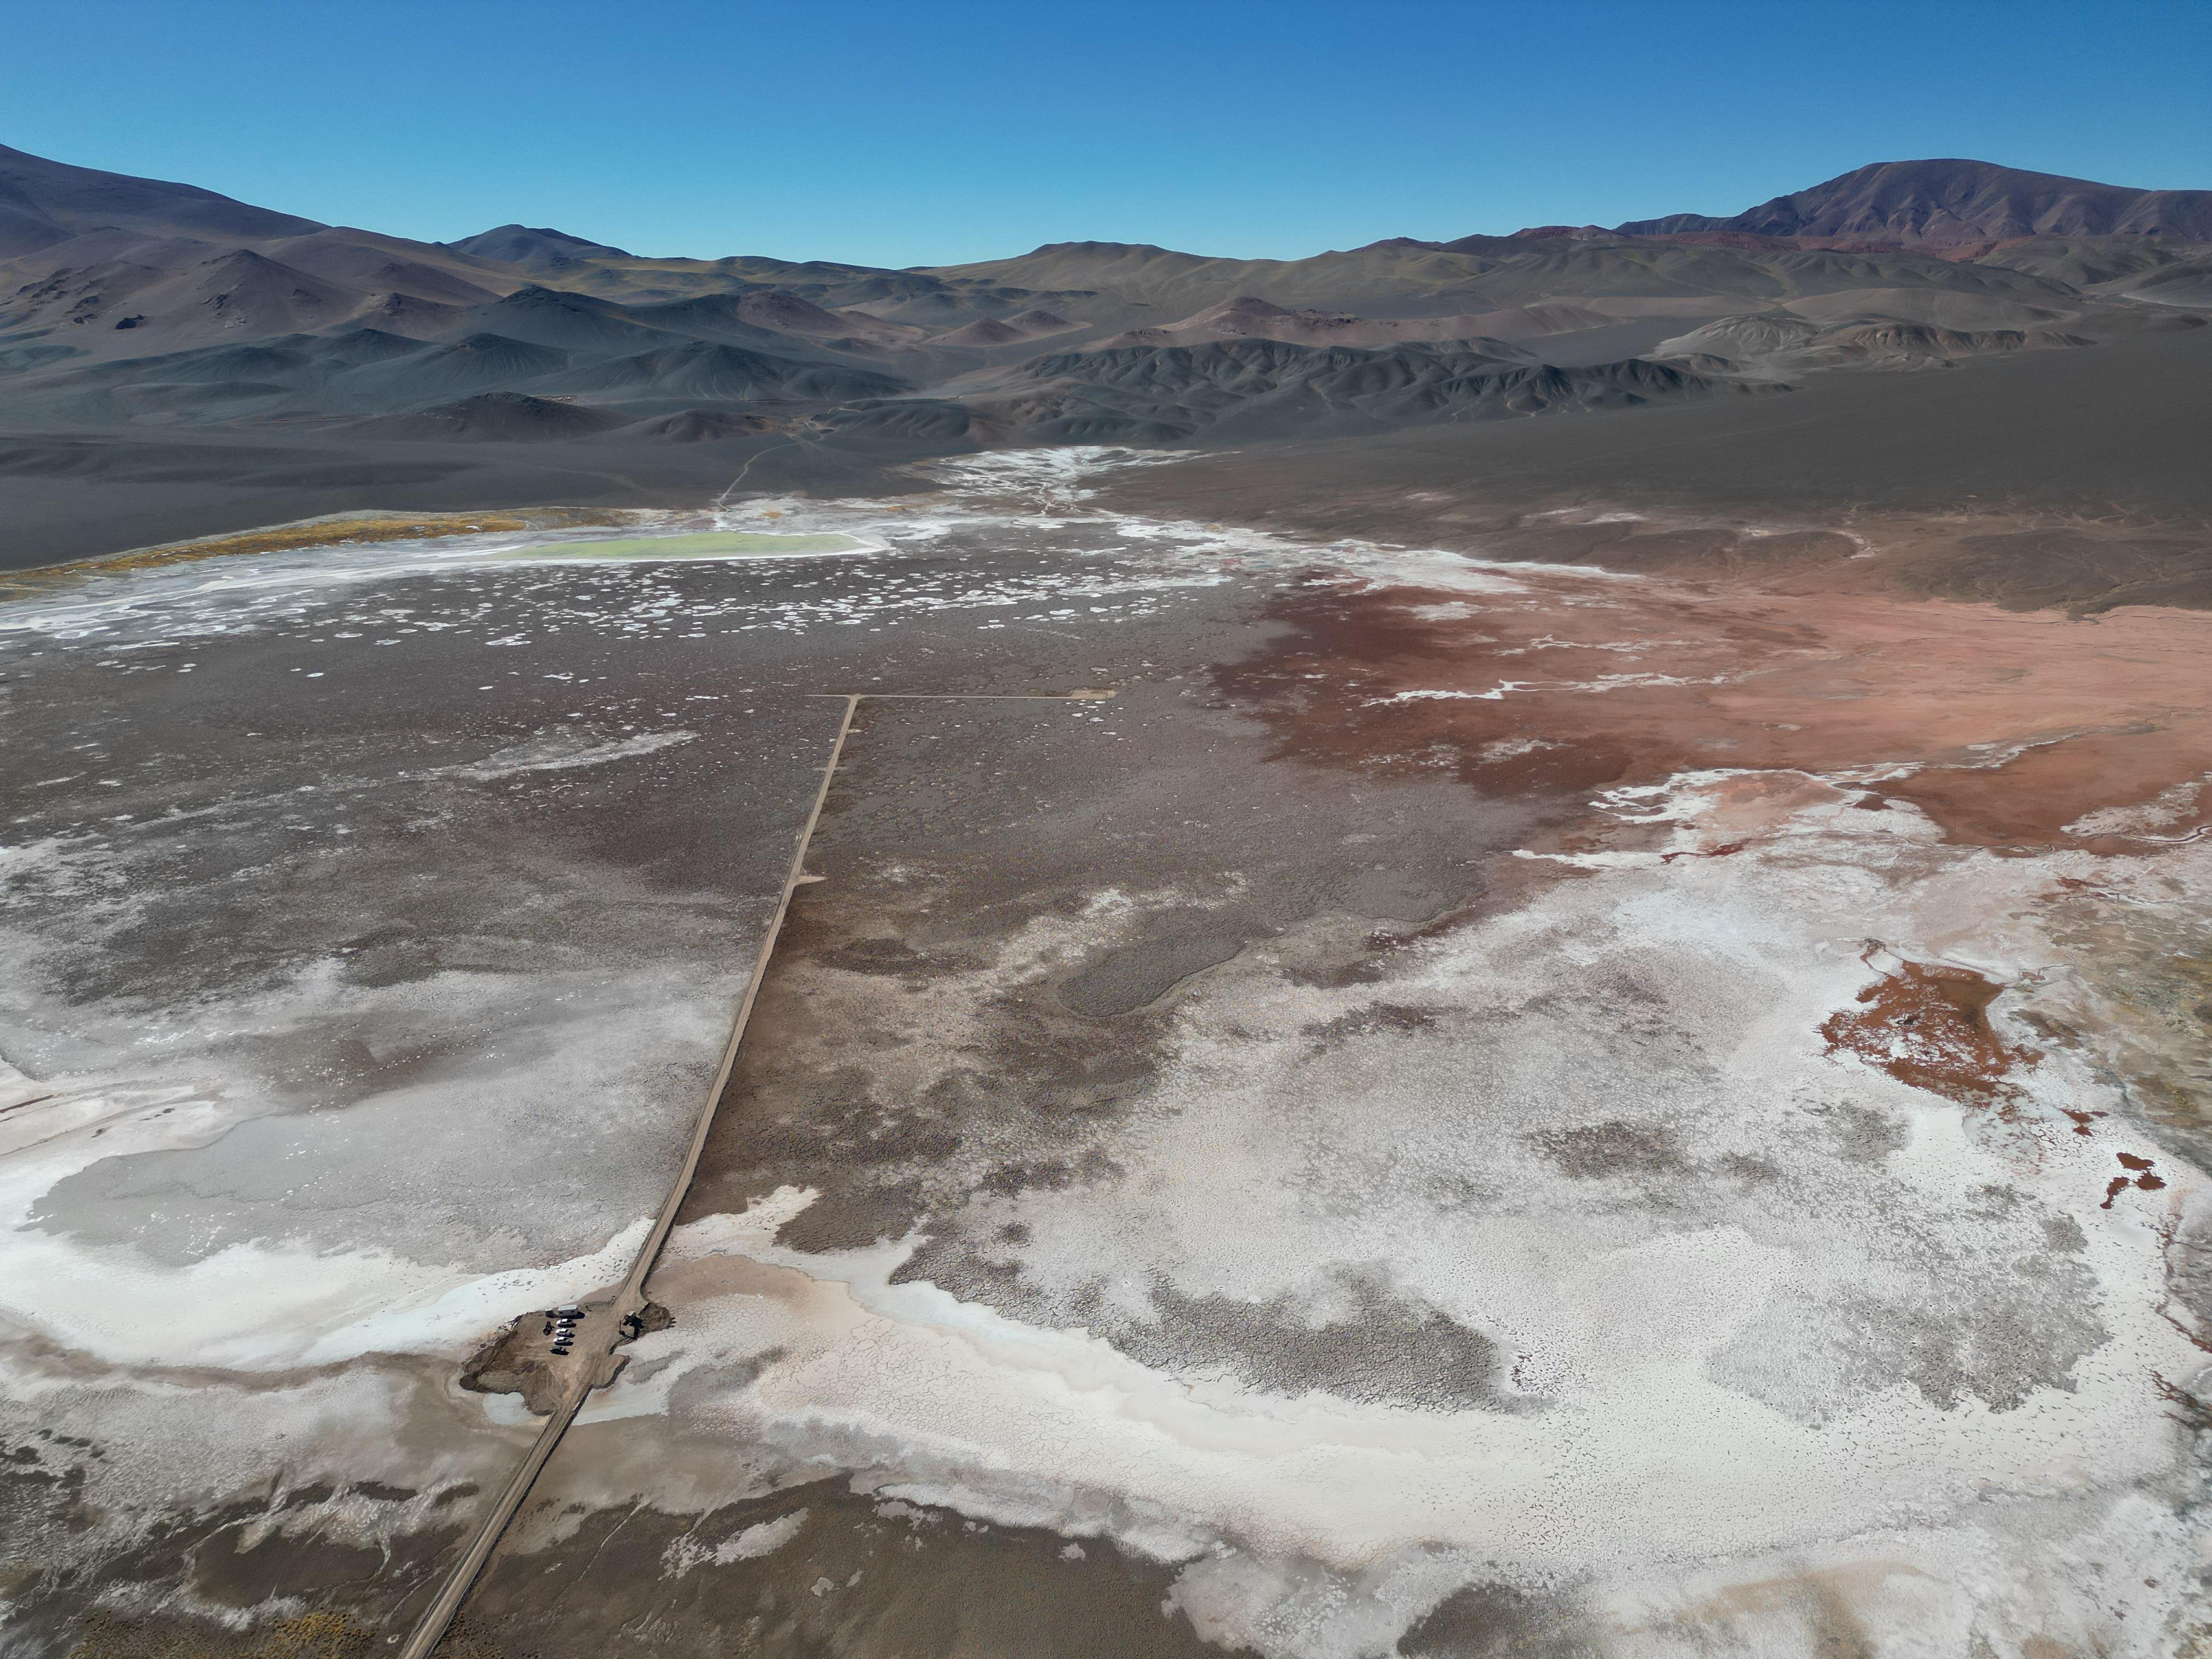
1472	1106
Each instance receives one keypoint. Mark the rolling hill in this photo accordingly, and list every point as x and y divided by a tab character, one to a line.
136	305
1950	203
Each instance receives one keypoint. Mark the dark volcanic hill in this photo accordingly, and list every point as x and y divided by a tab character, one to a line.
43	202
1946	203
539	250
1248	389
490	417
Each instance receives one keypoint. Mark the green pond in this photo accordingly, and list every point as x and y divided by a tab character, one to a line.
706	544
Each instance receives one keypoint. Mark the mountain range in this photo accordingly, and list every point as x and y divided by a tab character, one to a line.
130	305
1955	204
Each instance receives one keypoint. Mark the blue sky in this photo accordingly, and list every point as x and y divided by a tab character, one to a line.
928	133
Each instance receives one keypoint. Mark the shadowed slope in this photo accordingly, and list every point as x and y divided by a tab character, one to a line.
1939	203
44	202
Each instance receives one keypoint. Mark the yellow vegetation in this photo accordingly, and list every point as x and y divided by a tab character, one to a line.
311	1636
337	531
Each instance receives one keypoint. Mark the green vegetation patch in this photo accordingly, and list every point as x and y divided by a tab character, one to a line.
706	544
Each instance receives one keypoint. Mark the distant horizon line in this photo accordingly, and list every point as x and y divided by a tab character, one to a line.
1523	232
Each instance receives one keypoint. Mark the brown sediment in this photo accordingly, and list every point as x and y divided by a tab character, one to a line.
1928	1025
2004	727
2140	1176
1427	489
310	1635
2191	1410
1720	852
2141	948
333	530
246	1564
518	1358
862	1577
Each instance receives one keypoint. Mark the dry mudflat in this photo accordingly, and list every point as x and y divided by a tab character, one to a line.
1493	1098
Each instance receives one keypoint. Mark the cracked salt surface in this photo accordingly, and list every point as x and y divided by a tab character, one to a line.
559	751
267	1158
1756	1376
309	1239
328	1055
469	587
1830	1331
